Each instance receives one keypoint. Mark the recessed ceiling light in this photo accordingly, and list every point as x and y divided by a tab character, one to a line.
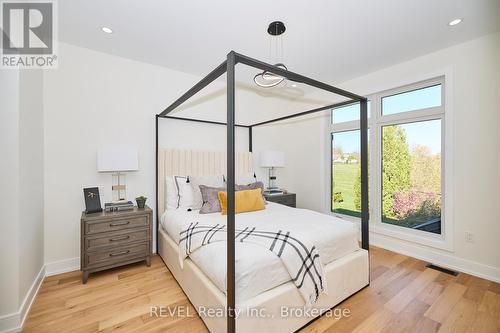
455	22
107	30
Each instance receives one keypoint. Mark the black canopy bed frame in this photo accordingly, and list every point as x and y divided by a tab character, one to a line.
228	66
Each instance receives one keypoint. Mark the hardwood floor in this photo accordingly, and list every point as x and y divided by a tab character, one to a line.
404	296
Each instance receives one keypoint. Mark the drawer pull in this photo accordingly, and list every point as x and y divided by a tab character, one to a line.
119	238
119	253
115	224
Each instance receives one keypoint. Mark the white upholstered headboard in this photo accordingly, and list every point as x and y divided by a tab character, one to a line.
196	163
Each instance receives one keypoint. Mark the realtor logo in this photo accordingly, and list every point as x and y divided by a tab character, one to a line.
28	35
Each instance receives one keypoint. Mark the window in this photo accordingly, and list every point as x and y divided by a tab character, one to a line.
406	151
418	99
345	166
346	173
411	175
348	113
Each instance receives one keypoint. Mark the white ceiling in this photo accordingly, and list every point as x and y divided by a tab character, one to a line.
331	40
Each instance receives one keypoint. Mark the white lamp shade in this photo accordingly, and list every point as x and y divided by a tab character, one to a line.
117	158
272	159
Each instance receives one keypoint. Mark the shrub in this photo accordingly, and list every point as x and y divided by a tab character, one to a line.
337	197
430	208
405	203
416	204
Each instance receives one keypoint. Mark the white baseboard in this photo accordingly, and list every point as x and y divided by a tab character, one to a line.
440	259
14	322
10	323
62	266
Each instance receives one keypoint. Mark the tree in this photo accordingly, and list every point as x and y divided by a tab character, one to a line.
357	191
357	186
396	166
338	152
355	155
426	170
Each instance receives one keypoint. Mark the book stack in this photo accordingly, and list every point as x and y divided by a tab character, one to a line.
270	191
118	206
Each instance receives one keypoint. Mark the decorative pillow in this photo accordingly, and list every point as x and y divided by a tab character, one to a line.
179	192
210	199
252	186
245	201
196	181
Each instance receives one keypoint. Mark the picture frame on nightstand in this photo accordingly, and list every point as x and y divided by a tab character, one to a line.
92	200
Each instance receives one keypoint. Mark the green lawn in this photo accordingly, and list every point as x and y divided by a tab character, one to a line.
344	176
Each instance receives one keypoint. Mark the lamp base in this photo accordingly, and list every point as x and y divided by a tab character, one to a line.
272	179
118	188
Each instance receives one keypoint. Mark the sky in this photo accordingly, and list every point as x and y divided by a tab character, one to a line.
427	133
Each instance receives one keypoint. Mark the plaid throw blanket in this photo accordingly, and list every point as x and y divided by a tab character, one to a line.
302	261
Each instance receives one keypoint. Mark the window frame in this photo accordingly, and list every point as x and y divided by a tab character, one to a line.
344	216
353	125
375	123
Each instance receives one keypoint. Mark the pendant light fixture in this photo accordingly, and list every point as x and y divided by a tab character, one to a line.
268	79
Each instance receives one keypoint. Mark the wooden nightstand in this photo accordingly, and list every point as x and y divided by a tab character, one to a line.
112	239
287	199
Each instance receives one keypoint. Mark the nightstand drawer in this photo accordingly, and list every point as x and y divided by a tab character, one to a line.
94	227
109	256
288	199
116	238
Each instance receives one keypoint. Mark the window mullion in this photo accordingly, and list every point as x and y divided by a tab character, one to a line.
412	115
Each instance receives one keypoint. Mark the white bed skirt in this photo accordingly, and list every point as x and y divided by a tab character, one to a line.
344	277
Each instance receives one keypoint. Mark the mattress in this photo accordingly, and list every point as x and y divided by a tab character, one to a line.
257	268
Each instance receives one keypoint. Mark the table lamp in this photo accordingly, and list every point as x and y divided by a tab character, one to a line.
272	159
117	160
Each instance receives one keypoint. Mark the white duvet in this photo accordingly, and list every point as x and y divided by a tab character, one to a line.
257	268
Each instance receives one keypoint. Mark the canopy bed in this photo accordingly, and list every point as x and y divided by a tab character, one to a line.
269	285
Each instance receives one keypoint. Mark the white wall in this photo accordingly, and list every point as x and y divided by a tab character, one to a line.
31	179
9	196
474	78
94	99
21	197
301	140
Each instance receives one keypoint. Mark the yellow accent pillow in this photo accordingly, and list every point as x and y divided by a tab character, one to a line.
246	201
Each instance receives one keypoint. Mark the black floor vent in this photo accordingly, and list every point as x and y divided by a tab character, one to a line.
441	269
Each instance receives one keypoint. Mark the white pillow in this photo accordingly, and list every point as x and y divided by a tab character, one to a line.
179	192
196	181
